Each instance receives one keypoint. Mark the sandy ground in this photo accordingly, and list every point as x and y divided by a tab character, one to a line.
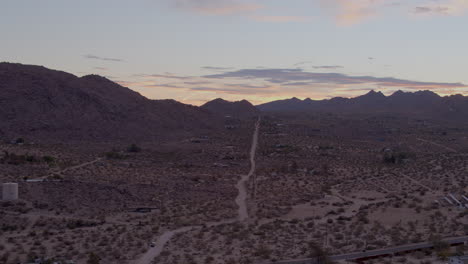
240	200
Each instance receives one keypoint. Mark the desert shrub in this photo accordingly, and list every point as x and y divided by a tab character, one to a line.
263	252
133	148
48	159
93	258
72	224
115	155
14	159
402	260
395	157
209	259
339	237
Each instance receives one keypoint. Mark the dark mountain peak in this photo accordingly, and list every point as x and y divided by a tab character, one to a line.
419	97
338	99
241	108
12	65
398	93
427	93
457	96
308	100
225	102
32	71
219	100
370	98
95	77
373	93
244	102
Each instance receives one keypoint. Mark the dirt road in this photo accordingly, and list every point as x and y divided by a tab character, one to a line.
438	145
153	252
241	199
45	177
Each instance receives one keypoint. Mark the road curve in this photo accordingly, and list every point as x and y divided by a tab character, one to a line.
153	252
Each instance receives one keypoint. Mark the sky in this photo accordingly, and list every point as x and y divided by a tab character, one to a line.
194	51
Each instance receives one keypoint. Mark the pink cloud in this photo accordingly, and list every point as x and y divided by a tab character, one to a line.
350	12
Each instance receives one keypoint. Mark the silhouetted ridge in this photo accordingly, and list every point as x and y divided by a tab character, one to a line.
36	102
425	103
240	109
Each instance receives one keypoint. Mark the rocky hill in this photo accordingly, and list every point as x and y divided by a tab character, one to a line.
44	104
239	109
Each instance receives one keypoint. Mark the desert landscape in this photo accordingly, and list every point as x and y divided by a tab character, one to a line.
256	187
313	185
233	132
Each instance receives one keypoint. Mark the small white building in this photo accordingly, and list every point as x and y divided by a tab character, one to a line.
10	191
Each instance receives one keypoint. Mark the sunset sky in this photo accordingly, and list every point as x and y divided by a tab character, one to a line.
260	50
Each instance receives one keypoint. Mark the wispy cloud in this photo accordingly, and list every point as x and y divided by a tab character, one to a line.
328	67
235	91
217	7
248	86
156	85
303	63
164	76
422	9
212	68
442	8
355	89
285	76
309	64
196	82
94	57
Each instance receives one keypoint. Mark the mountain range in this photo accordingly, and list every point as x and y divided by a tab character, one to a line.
417	103
45	104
